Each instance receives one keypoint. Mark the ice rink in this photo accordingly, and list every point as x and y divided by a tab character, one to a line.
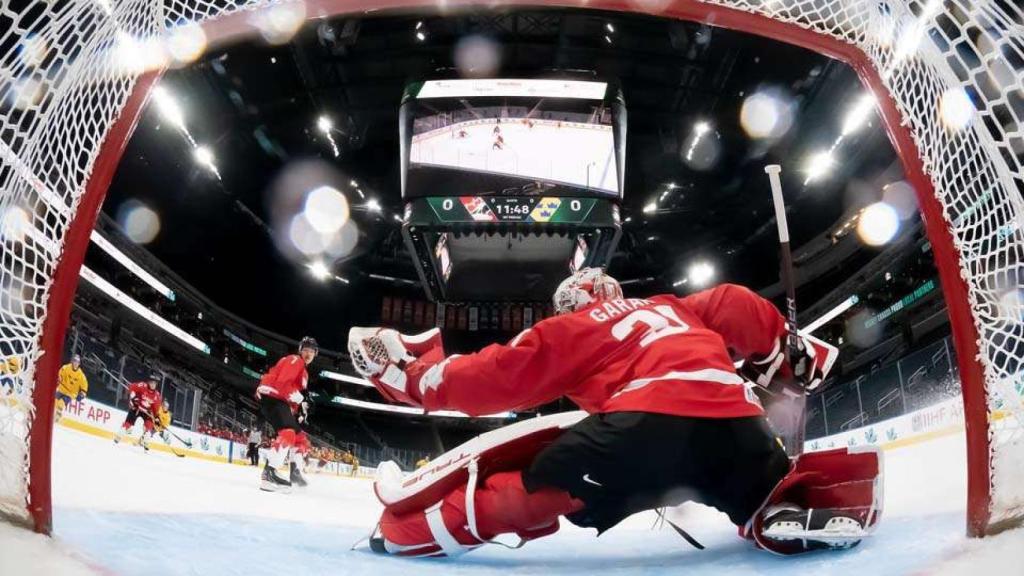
121	511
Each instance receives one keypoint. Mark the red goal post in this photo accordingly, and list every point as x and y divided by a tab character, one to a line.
68	109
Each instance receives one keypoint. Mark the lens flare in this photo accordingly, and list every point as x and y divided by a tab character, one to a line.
878	224
326	210
140	222
767	114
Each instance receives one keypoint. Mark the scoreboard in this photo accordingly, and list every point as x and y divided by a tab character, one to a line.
453	209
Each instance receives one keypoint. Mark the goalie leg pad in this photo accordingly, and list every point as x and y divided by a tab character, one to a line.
463	521
845	482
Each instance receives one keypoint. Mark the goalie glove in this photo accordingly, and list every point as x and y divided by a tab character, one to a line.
808	367
382	356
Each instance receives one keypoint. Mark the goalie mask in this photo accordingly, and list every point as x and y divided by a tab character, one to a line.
583	288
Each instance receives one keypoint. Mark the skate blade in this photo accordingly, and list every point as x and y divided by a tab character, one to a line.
271	487
841	535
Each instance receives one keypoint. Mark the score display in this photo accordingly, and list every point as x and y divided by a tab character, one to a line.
510	209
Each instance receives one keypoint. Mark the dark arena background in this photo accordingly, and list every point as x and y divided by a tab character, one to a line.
189	188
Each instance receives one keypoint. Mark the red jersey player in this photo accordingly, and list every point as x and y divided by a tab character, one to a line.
283	405
670	418
144	400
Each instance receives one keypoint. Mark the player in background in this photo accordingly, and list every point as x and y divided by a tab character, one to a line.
422	462
9	371
162	421
669	419
144	400
280	394
72	385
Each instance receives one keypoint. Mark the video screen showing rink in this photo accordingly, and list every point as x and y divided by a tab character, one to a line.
120	510
512	137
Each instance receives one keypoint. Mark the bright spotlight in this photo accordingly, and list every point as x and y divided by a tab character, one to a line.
878	224
608	26
319	270
818	165
203	155
421	36
701	128
955	109
324	124
650	207
168	107
700	274
373	205
858	116
353	183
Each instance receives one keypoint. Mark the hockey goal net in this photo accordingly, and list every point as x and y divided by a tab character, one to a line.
75	74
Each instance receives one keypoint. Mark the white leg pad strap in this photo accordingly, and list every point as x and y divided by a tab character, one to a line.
444	538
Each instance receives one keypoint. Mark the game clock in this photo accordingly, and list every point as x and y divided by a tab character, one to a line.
511	209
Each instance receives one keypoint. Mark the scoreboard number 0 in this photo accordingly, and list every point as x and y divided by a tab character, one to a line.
575	205
447	204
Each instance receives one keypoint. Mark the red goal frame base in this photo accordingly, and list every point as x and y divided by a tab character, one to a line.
235	25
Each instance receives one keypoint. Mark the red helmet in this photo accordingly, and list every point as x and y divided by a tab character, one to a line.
583	288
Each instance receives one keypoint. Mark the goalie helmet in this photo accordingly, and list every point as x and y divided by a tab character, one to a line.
583	288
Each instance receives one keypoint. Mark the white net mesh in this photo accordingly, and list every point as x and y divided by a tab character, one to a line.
68	68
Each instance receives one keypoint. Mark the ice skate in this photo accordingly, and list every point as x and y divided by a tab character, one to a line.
295	475
813	529
270	481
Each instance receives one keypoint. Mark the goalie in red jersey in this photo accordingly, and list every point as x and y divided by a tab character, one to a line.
670	419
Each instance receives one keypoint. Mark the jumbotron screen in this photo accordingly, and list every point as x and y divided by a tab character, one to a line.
508	137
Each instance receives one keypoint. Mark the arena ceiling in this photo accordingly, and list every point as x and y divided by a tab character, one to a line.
255	106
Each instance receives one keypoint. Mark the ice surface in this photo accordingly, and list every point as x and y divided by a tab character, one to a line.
153	515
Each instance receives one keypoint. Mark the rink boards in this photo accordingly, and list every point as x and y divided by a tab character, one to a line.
101	420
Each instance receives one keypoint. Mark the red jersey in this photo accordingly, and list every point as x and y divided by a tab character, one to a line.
662	354
287	377
142	398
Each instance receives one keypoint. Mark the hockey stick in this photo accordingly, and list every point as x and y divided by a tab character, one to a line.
798	398
187	443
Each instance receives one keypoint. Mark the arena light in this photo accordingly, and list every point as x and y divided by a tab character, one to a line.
345	378
319	270
650	207
204	157
818	165
168	108
828	316
410	410
608	26
699	130
373	205
130	264
421	36
107	288
858	115
700	274
324	124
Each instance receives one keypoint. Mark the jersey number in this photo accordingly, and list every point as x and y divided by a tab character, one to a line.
660	322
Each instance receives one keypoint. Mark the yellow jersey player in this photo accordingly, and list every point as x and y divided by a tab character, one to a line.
162	421
422	462
9	370
72	385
